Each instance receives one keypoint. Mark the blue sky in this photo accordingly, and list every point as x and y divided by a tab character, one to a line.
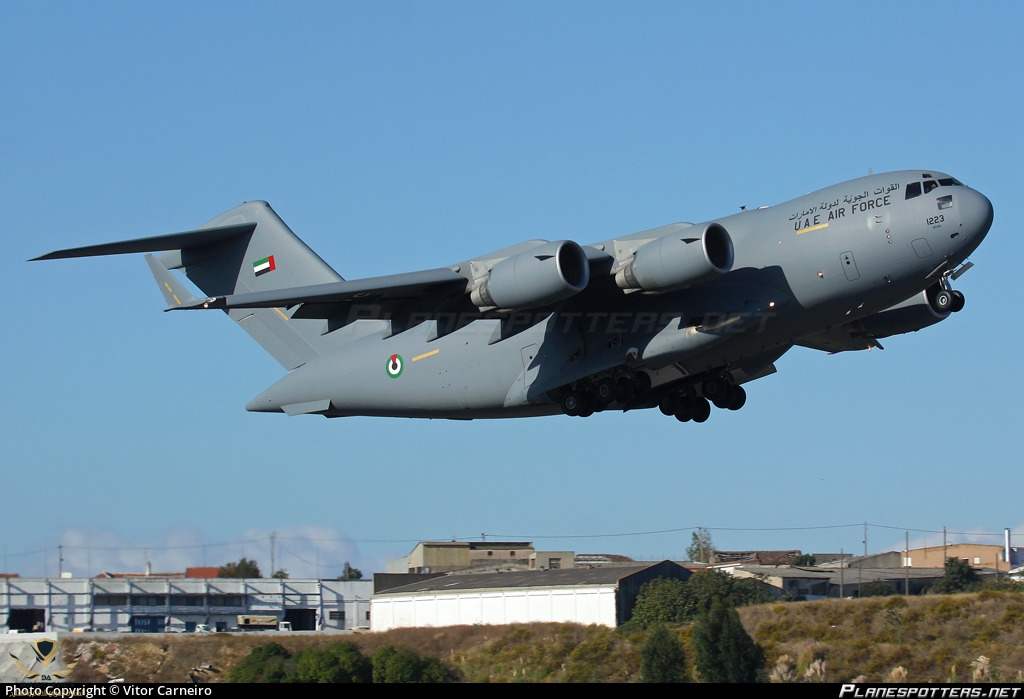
394	136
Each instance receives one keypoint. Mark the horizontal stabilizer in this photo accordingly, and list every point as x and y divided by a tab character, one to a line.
410	284
173	290
171	241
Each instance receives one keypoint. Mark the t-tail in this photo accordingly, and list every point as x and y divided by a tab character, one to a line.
247	249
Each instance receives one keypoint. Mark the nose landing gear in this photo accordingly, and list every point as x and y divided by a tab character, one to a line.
948	301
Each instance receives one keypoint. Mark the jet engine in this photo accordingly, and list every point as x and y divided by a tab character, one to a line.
919	311
543	275
677	261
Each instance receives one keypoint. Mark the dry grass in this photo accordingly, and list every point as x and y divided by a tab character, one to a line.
933	638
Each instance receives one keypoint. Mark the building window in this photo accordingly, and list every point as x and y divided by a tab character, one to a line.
149	600
490	553
110	600
336	615
512	554
554	563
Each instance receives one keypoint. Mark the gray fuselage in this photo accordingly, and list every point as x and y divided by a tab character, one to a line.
818	262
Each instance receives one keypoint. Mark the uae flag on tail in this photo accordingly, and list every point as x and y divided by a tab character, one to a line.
263	266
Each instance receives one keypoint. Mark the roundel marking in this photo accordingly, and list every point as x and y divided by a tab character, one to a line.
394	366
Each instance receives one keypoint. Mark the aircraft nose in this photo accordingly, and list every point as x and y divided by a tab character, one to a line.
976	215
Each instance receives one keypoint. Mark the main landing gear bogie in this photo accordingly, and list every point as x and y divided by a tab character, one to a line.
686	406
585	398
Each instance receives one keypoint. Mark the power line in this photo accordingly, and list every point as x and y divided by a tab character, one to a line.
265	541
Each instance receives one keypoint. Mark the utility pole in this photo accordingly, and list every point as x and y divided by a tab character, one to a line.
842	565
860	568
906	563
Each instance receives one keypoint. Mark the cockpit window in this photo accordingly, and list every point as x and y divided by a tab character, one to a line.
914	188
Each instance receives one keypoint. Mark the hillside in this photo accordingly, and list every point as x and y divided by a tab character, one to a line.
933	638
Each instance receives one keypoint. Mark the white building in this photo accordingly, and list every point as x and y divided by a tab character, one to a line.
586	596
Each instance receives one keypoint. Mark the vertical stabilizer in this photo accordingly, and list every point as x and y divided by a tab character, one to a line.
270	257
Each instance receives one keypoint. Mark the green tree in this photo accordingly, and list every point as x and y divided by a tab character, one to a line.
957	576
669	601
433	671
337	663
244	568
878	588
702	588
266	663
1002	582
281	574
660	601
723	650
400	665
395	665
804	559
701	547
661	657
350	573
748	591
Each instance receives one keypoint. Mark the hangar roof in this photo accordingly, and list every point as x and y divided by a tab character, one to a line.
569	577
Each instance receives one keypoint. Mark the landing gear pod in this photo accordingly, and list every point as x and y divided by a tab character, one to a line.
919	311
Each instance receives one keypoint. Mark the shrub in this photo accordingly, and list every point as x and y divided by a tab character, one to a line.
267	663
661	657
723	650
337	663
399	665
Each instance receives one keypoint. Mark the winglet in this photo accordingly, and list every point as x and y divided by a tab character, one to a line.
173	290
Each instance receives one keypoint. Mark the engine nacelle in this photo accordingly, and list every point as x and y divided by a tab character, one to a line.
907	316
543	275
674	262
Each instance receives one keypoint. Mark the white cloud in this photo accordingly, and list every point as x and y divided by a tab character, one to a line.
302	550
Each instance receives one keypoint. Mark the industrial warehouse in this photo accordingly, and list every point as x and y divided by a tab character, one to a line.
158	604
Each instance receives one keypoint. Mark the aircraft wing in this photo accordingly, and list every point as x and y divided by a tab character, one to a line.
425	290
389	288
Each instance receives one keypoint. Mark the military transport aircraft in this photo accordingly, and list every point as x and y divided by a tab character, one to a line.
677	317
